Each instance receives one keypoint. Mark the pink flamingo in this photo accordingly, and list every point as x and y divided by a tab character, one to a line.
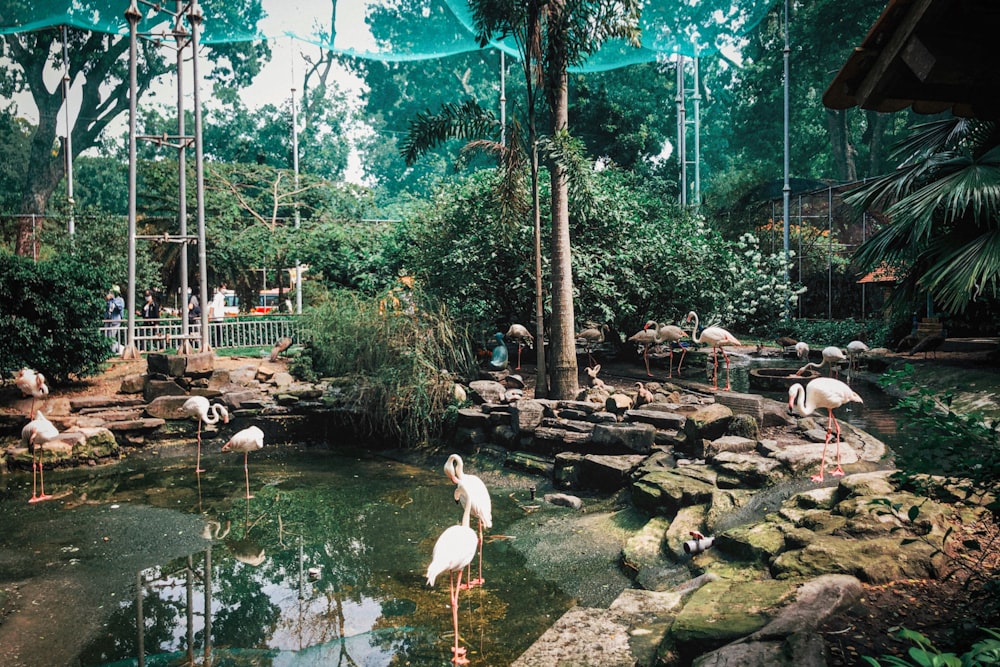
832	356
716	337
453	552
650	335
472	493
248	440
671	334
592	337
822	393
31	383
198	407
35	434
519	334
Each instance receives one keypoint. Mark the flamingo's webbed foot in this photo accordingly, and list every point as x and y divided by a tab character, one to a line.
837	472
817	477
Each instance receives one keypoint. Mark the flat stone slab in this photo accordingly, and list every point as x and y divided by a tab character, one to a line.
86	402
582	637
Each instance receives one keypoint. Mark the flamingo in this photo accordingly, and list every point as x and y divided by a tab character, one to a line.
822	393
832	356
472	493
31	383
716	337
35	434
453	552
802	350
650	335
855	350
198	407
519	334
672	334
591	338
248	440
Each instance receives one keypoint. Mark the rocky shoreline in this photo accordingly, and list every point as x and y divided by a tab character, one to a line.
742	557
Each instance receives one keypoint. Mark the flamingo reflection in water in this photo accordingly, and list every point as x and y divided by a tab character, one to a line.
453	552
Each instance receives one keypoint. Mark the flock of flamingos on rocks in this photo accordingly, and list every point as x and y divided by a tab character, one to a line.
821	393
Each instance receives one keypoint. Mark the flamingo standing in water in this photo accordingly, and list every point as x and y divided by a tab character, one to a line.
198	407
671	334
716	337
832	357
855	350
248	440
31	383
519	334
453	552
822	393
35	434
650	335
472	493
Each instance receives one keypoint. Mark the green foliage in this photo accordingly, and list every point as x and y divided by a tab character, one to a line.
398	368
820	333
924	653
52	314
964	446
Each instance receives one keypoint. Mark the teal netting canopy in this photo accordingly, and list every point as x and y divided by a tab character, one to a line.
397	30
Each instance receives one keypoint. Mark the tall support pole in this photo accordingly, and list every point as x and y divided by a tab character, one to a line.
208	604
787	188
66	81
132	15
697	132
829	254
140	622
295	171
195	18
503	98
181	35
681	130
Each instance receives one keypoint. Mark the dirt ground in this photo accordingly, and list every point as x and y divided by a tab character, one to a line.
949	612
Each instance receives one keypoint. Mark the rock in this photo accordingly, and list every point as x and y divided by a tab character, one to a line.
707	422
487	391
746	470
607	473
729	443
472	418
564	500
645	547
582	637
660	419
200	363
87	402
156	388
168	407
132	384
566	474
532	463
526	415
618	404
667	491
624	437
169	365
751	405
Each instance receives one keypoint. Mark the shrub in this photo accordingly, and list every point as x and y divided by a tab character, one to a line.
52	314
401	366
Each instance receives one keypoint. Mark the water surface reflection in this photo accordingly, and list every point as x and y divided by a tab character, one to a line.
325	565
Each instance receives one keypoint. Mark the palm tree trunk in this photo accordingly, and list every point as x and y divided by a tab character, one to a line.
564	369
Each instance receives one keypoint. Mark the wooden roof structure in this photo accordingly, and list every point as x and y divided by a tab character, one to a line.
931	55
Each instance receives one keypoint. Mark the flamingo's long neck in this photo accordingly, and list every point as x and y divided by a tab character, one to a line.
695	336
466	514
213	415
801	403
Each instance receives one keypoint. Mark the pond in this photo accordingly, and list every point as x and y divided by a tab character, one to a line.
325	565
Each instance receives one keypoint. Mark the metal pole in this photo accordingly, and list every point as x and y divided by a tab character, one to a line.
295	171
132	15
208	604
195	18
800	251
697	132
180	35
69	136
140	623
681	122
829	255
786	188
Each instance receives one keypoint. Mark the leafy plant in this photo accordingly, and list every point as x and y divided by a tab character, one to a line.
923	653
395	368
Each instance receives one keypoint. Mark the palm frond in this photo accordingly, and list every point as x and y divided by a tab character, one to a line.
467	120
965	271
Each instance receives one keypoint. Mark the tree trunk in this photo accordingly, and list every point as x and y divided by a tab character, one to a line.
877	123
840	144
563	368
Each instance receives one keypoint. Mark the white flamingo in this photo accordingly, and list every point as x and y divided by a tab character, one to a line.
472	493
31	383
248	440
802	350
671	334
832	357
518	333
650	335
855	350
591	338
198	407
35	434
716	337
453	552
820	393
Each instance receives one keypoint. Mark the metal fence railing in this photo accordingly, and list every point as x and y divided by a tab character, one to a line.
155	335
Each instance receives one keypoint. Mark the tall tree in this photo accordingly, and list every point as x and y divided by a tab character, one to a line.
98	64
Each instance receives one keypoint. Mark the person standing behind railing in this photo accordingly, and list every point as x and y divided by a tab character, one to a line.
151	315
217	313
115	310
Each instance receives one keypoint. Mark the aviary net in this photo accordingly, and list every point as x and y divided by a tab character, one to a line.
424	28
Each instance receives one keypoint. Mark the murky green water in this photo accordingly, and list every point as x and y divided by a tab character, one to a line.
324	566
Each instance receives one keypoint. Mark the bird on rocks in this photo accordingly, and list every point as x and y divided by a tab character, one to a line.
828	394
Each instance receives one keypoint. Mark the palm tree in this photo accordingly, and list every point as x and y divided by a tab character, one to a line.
943	202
